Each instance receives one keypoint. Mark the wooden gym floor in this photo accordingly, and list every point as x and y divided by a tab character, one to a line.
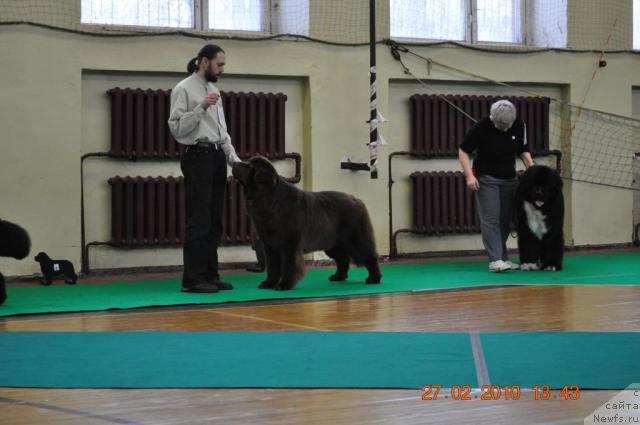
548	308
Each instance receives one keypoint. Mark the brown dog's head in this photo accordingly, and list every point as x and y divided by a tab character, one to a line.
256	175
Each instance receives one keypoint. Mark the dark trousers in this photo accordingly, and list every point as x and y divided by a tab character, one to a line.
495	205
205	180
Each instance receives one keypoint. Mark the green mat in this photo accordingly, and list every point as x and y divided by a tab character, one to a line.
233	360
610	269
590	360
314	359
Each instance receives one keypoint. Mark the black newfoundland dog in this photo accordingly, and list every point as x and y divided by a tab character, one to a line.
15	243
291	222
540	217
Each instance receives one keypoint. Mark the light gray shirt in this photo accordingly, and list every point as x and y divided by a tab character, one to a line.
190	123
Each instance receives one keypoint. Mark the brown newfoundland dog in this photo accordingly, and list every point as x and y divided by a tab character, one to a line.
291	222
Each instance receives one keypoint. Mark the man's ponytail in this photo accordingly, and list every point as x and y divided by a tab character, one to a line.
192	66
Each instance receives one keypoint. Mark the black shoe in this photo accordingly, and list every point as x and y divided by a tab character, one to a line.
201	288
223	286
257	268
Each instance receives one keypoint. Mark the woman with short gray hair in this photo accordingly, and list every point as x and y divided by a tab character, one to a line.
497	140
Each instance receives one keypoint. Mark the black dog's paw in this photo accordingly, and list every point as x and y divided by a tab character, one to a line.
525	267
552	267
338	277
45	282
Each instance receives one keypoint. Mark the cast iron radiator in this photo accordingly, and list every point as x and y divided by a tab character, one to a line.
255	122
438	129
442	204
150	211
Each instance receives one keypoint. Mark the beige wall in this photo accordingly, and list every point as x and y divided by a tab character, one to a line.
54	109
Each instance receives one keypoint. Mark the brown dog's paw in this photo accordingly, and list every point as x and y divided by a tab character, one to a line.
266	285
284	286
373	280
338	277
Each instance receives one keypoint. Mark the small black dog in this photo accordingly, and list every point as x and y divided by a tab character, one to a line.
14	242
51	268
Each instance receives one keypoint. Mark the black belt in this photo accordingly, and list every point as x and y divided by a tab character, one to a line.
207	145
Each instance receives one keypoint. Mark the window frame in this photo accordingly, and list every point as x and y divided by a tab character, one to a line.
635	26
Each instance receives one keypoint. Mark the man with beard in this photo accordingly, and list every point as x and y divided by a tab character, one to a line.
197	120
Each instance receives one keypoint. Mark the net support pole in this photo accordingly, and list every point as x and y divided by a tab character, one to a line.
373	120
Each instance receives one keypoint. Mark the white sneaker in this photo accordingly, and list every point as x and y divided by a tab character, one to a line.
512	265
498	266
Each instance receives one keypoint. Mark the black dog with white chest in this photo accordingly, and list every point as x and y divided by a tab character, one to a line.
540	217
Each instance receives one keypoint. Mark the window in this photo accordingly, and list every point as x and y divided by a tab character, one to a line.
499	21
431	19
149	13
281	16
237	15
481	21
547	26
636	24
